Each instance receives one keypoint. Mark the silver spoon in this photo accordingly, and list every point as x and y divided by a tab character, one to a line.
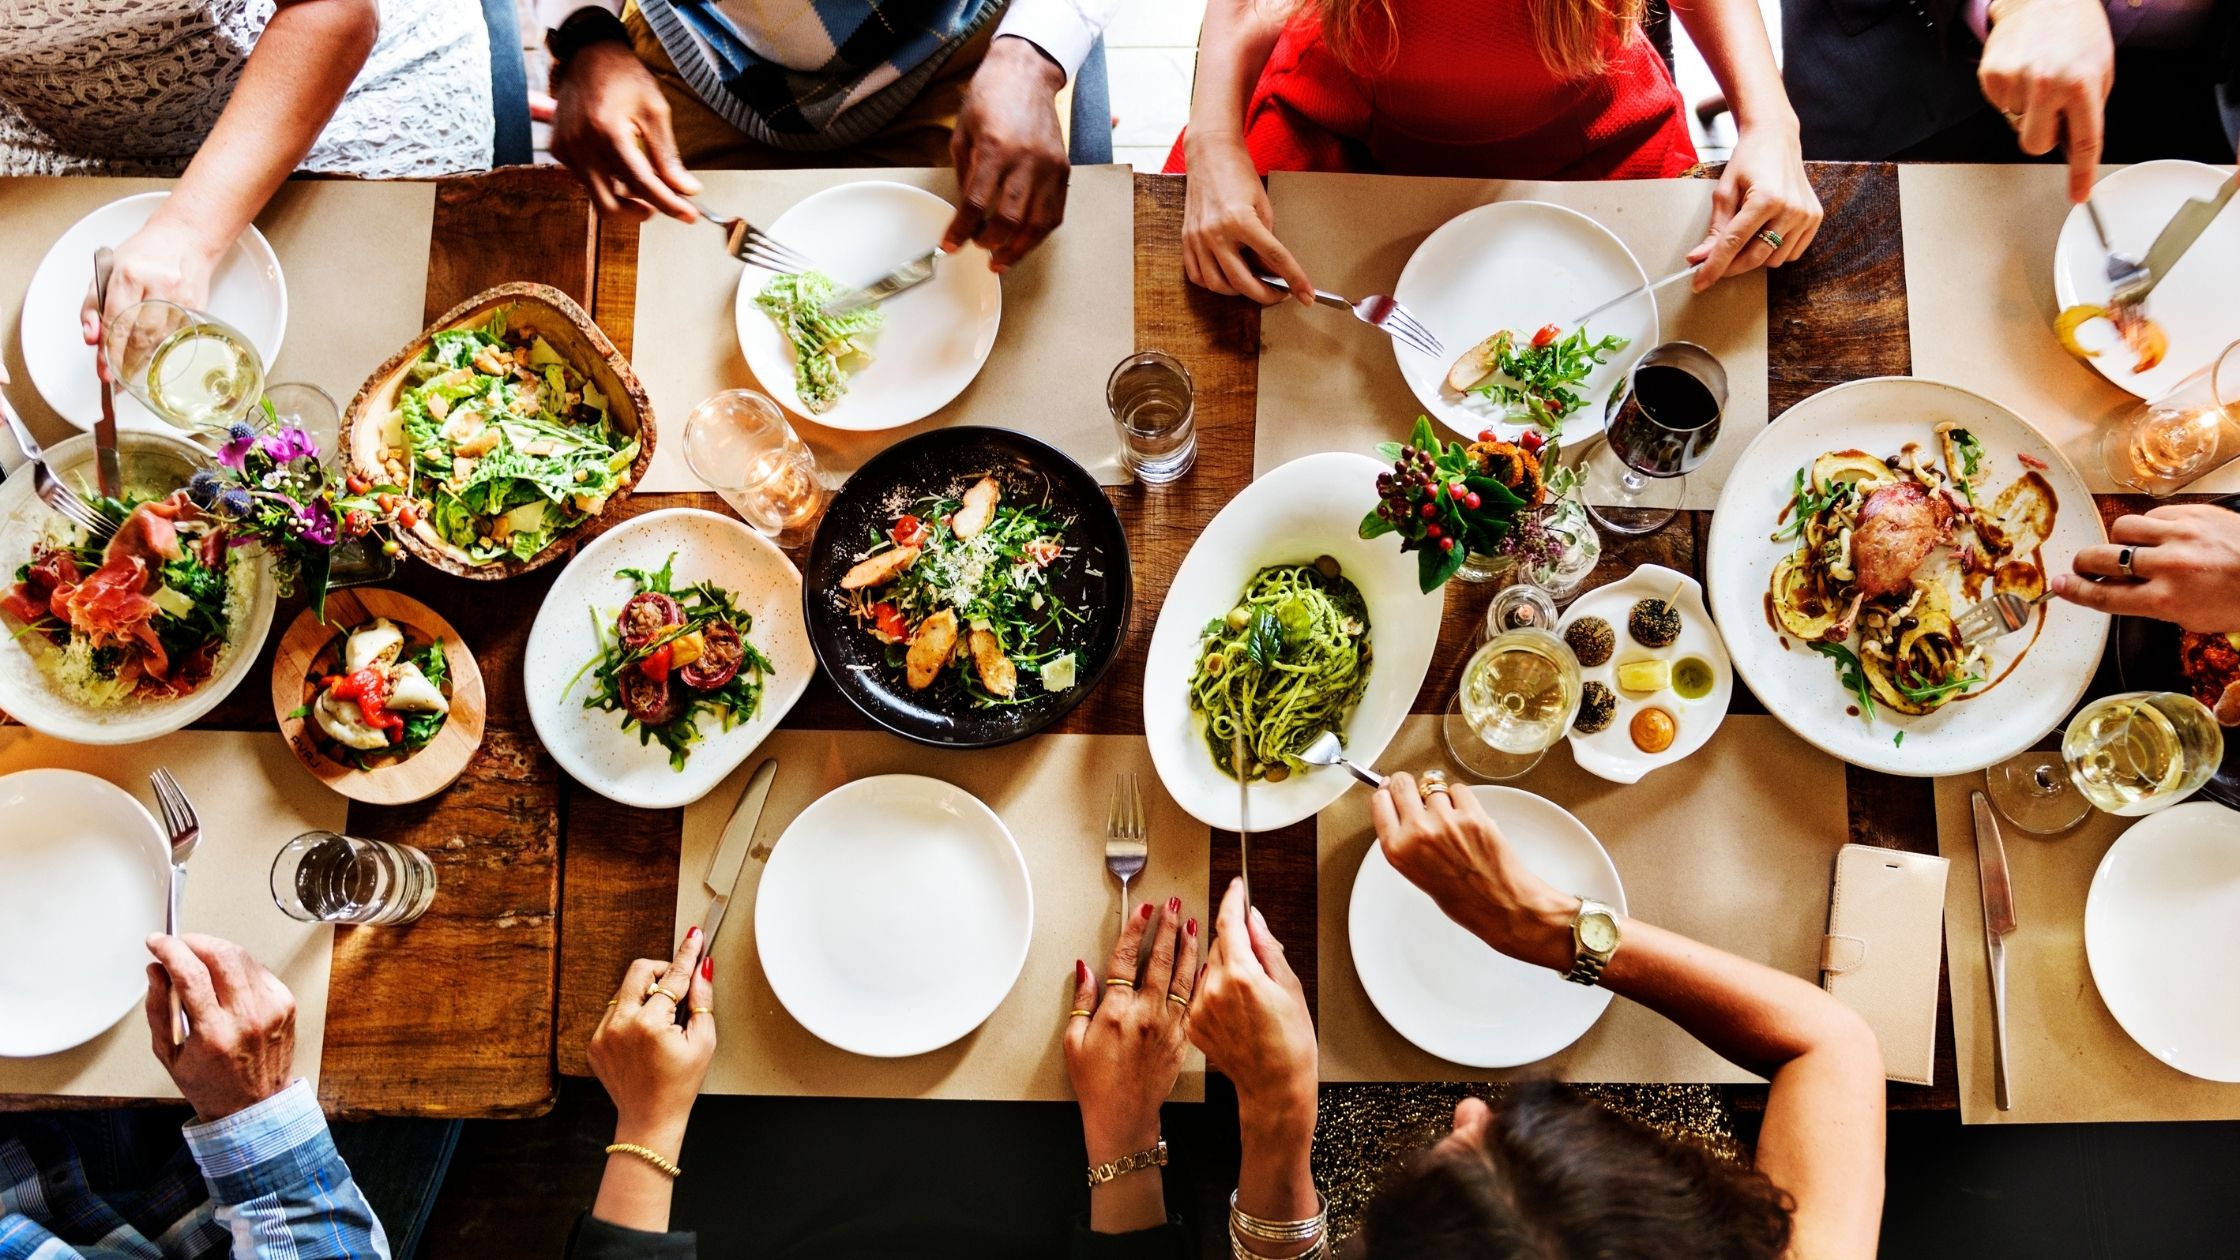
1327	750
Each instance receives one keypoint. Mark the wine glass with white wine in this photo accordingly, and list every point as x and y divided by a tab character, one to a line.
194	372
2135	753
1519	692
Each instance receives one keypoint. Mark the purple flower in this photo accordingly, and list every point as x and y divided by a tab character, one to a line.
290	443
315	522
203	488
240	439
235	502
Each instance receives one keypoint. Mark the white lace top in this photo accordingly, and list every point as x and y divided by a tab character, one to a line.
132	87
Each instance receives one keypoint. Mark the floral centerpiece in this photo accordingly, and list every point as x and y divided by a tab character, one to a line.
273	489
1452	501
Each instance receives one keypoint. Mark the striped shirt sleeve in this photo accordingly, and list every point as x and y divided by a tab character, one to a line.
279	1186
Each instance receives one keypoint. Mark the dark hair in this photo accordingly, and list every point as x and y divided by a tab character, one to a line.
1560	1177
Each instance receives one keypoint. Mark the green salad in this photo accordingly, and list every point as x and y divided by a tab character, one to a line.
822	343
503	444
670	655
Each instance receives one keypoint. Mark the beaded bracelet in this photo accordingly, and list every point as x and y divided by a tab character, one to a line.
653	1157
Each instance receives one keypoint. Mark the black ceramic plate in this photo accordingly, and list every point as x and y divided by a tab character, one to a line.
1094	577
2147	660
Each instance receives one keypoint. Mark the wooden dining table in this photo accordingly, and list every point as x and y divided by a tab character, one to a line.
547	890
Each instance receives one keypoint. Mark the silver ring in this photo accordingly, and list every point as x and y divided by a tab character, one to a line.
2123	561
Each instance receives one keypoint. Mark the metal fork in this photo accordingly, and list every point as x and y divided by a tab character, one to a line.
1379	311
1127	835
750	244
2002	614
185	829
2125	273
50	488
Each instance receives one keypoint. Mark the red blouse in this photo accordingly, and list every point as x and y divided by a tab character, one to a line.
1465	94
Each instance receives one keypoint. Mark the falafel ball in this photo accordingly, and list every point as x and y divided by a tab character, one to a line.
1591	640
1596	707
1654	623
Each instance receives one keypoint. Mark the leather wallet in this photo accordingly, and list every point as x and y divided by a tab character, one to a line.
1884	946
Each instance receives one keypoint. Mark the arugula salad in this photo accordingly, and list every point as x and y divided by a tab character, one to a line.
502	444
1536	380
670	656
824	345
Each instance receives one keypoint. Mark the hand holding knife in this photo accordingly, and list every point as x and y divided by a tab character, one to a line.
730	858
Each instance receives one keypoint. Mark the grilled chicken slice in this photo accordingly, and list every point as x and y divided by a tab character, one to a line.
879	569
979	508
997	673
931	646
2228	705
1899	525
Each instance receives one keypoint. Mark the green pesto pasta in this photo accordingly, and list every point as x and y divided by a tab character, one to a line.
1286	664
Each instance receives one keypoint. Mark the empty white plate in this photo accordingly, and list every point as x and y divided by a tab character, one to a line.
1451	994
84	875
936	336
894	916
1520	265
2161	928
2193	303
247	292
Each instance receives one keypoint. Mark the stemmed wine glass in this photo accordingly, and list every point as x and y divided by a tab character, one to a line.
1519	692
1664	426
2128	754
2161	447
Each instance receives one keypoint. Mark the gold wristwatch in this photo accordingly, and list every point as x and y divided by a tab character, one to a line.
1594	941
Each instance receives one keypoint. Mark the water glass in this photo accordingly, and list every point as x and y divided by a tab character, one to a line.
741	445
299	405
2141	751
1665	424
1152	403
2161	447
192	370
326	877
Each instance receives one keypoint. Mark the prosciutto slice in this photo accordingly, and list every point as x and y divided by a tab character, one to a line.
112	606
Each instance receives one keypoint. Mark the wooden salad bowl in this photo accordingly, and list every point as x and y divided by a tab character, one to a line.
554	316
424	773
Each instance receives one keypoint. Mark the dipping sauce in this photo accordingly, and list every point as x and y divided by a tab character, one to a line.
1692	678
1652	730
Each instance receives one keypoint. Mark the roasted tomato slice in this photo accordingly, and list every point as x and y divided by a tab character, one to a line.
647	614
655	664
908	531
720	655
652	703
1547	335
889	621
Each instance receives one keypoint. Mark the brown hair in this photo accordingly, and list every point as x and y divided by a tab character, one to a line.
1573	36
1559	1176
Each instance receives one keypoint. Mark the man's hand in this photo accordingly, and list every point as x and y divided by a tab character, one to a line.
243	1045
2048	66
611	127
2185	568
1010	154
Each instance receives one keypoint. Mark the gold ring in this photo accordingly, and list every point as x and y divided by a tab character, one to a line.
2014	119
1179	1000
613	1002
703	1010
1125	984
1429	790
1770	237
1078	1013
673	997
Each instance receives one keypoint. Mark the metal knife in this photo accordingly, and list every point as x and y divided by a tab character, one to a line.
731	852
1633	293
1238	763
1998	921
106	472
2185	227
907	276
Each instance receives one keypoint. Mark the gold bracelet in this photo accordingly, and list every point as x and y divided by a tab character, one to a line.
653	1157
1156	1157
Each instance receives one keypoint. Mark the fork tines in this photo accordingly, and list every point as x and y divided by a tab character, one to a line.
179	817
63	499
1125	820
1405	326
753	245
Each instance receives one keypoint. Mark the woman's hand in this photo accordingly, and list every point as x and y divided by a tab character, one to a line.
2185	568
1451	848
610	126
1250	1017
168	258
1228	227
1124	1048
1764	188
652	1066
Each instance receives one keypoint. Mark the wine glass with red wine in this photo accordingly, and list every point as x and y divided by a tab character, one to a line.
1665	425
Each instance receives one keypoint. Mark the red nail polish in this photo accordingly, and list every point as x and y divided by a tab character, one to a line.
1080	971
1174	905
1144	913
1191	927
708	968
692	934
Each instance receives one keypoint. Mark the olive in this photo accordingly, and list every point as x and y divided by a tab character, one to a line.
1214	663
1327	566
1278	773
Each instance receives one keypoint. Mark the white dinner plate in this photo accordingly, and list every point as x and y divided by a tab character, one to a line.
590	744
1519	265
1800	686
894	916
1611	752
936	336
2161	927
1449	993
247	292
2193	303
1309	507
84	877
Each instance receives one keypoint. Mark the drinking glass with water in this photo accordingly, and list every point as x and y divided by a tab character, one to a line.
1152	402
327	877
740	444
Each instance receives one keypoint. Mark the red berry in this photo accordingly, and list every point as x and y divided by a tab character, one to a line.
1430	509
1446	544
1532	441
1432	531
1488	435
1471	500
1457	490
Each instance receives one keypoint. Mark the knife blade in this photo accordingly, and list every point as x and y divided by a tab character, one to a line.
1635	292
731	851
1237	763
107	475
907	276
2185	227
1998	921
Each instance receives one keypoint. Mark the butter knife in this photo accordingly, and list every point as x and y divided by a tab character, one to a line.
1633	293
907	276
1998	922
1239	764
107	475
731	852
2185	227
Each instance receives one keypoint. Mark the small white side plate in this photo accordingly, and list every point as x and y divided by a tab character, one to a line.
894	916
1611	752
247	292
1449	993
2193	303
2161	928
1520	265
84	877
936	336
590	744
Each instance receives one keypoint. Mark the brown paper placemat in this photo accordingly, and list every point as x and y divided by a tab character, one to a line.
1051	791
354	255
1734	847
1979	303
252	798
2071	1062
1068	317
1329	384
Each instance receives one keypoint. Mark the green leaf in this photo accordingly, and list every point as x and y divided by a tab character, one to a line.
1388	450
1376	525
1852	674
1264	646
1425	437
